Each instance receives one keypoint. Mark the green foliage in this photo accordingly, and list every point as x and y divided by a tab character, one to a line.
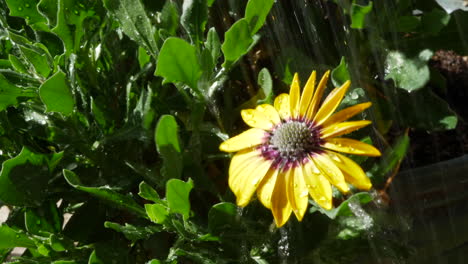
112	112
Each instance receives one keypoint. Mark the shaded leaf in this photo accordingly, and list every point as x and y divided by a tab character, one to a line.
10	94
105	193
132	232
193	19
167	143
222	216
10	238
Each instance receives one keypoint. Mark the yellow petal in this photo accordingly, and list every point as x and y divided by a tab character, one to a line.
246	171
331	171
265	189
280	206
247	139
282	106
313	107
347	113
294	94
353	172
351	146
257	119
331	103
270	112
319	187
307	94
339	129
298	194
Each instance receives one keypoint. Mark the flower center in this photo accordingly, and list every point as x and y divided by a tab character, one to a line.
291	142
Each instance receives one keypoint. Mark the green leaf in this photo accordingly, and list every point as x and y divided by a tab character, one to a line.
408	23
222	216
193	19
451	5
154	261
343	209
213	45
105	193
433	22
157	213
134	22
390	159
178	62
132	232
11	238
256	13
237	42
17	64
10	94
408	73
43	220
147	192
18	173
340	74
170	18
27	9
358	15
177	195
39	61
167	143
143	57
56	95
70	19
265	94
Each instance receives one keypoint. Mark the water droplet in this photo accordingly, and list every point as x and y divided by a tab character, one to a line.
27	5
76	12
27	17
322	199
304	193
20	8
315	170
38	222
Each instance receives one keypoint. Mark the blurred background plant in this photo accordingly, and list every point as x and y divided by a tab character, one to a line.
111	114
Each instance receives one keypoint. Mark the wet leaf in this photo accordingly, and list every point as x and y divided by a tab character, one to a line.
177	195
178	62
106	193
27	9
343	209
56	94
213	45
18	173
10	94
193	19
408	73
134	22
11	238
131	232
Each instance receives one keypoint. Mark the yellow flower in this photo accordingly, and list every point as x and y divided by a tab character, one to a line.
291	151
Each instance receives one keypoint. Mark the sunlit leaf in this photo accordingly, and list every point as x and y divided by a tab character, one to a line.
358	15
177	195
178	62
408	73
10	94
56	94
238	41
340	74
256	13
134	22
11	238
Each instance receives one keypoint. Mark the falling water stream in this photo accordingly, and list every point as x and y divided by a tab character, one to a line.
425	212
